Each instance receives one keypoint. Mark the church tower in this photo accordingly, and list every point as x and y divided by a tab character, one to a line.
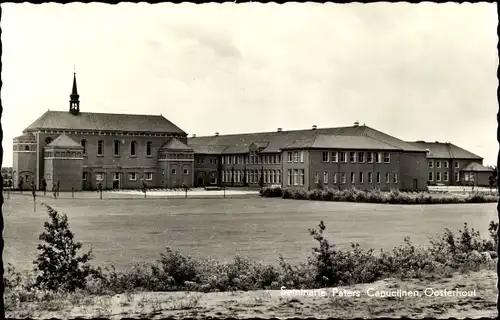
74	103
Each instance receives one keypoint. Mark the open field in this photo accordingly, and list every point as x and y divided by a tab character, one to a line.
122	231
272	303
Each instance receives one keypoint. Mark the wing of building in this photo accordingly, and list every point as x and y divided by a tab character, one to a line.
77	150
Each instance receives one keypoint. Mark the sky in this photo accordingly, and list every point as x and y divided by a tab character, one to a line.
416	71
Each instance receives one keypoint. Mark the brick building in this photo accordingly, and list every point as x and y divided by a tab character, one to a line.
451	165
80	149
345	157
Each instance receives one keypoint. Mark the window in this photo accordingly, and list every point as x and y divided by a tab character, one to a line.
302	177
223	176
445	164
289	177
438	176
387	178
48	140
273	176
369	157
361	157
84	145
149	176
289	154
378	177
446	178
353	177
84	176
466	176
378	157
186	172
100	147
387	157
301	156
116	148
295	177
116	176
361	177
457	176
98	176
133	145
325	177
132	176
431	176
278	176
174	171
431	164
278	158
370	177
334	179
343	157
148	148
438	164
325	157
395	177
335	156
316	177
457	165
352	157
342	178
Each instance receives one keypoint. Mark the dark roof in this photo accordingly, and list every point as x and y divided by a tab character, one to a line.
340	142
62	120
208	149
26	136
63	141
445	150
239	143
175	144
476	167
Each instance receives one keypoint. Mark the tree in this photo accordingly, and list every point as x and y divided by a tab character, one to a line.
245	183
232	175
319	185
493	179
58	265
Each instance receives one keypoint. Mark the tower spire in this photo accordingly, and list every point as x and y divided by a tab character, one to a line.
74	102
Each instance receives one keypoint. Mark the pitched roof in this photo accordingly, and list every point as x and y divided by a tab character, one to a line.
175	144
446	150
239	143
63	141
341	142
26	136
476	167
62	120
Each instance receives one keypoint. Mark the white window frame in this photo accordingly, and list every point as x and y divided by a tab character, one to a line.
388	158
438	176
325	177
174	171
352	156
387	177
327	158
378	157
301	156
335	156
295	177
353	177
361	177
431	176
343	178
457	164
334	178
290	156
457	176
296	156
316	177
378	177
361	157
302	177
290	179
395	177
369	157
99	176
445	164
344	158
132	176
370	177
446	176
431	163
438	164
149	176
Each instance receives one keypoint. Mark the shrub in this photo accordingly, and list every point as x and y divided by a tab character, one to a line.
58	265
173	270
270	192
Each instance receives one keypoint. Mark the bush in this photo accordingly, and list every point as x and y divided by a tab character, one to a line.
58	266
271	192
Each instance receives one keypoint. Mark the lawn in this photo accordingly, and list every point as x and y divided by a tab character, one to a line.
122	231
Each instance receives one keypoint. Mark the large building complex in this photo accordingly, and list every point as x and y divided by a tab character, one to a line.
81	149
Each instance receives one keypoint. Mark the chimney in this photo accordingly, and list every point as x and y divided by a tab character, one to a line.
216	134
279	129
356	123
315	127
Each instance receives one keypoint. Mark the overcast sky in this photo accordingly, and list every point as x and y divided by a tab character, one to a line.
415	71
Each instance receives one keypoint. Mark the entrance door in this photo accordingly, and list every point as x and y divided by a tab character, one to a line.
116	180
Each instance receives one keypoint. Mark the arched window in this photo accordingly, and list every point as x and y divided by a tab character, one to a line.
116	148
26	148
133	145
84	145
100	147
148	148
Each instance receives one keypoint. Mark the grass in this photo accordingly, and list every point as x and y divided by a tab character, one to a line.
377	196
138	230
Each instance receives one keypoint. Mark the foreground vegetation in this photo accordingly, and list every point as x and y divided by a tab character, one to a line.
60	269
376	196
